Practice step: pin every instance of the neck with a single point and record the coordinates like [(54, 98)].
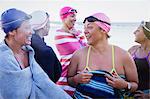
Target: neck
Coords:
[(101, 46), (65, 28), (40, 33), (16, 48), (146, 45)]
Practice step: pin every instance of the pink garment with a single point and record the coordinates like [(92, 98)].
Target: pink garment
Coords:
[(103, 17), (67, 44)]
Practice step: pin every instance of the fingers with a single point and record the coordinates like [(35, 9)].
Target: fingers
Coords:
[(140, 92), (109, 77), (137, 95), (85, 80), (110, 82), (84, 76)]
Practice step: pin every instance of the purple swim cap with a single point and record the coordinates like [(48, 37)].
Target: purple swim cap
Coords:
[(11, 19)]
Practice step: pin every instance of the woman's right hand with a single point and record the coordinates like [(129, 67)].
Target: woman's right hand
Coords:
[(83, 77)]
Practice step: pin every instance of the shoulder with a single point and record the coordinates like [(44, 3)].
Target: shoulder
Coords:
[(133, 49), (124, 56), (80, 52), (4, 48), (120, 52)]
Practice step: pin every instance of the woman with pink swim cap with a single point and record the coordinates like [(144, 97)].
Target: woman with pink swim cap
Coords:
[(67, 40), (101, 70)]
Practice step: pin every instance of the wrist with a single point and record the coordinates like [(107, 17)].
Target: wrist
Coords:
[(128, 87), (75, 80)]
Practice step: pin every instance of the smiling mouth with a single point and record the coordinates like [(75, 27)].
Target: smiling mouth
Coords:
[(29, 38), (87, 36), (73, 22)]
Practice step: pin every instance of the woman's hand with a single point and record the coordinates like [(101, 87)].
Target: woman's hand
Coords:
[(141, 95), (83, 77), (116, 82)]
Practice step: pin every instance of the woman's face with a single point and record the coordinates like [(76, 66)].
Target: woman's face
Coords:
[(70, 20), (139, 35), (92, 32), (46, 28), (23, 34)]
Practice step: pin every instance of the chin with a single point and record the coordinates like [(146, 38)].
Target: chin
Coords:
[(89, 43), (28, 43)]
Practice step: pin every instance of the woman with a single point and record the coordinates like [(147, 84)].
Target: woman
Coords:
[(68, 40), (96, 70), (141, 55), (20, 75), (44, 54)]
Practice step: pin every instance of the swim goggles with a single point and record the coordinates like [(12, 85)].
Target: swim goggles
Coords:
[(93, 19)]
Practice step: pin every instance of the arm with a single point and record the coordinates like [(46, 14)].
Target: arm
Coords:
[(131, 71), (57, 68), (75, 77), (49, 63), (72, 70)]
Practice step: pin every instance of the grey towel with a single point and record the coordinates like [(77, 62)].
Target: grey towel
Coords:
[(29, 83)]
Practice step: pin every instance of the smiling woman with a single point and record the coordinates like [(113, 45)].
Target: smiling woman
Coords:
[(101, 70), (17, 63), (68, 40)]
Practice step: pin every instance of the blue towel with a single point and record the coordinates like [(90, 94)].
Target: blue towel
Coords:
[(96, 88), (29, 83)]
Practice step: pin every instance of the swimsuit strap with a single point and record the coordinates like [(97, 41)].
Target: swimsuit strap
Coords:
[(87, 59), (113, 71), (134, 54), (113, 57)]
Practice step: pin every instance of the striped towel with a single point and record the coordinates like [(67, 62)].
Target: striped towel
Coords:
[(66, 45), (96, 88)]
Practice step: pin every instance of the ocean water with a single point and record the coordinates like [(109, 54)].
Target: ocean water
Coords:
[(121, 34)]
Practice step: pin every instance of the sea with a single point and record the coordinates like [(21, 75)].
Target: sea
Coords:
[(122, 34)]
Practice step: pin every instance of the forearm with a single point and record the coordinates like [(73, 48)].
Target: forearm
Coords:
[(134, 86), (72, 81)]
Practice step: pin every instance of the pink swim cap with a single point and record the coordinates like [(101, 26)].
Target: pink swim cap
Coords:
[(105, 21), (65, 11)]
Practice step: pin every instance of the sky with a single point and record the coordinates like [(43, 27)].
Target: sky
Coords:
[(117, 10)]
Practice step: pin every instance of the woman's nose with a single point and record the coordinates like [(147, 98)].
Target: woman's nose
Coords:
[(85, 31), (134, 32), (74, 18)]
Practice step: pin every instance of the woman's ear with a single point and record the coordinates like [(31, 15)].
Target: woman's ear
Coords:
[(12, 32)]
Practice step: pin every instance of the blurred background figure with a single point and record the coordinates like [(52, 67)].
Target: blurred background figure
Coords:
[(141, 55), (44, 54), (68, 40)]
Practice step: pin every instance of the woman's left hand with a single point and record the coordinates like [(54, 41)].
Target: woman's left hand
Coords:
[(140, 94), (116, 82)]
